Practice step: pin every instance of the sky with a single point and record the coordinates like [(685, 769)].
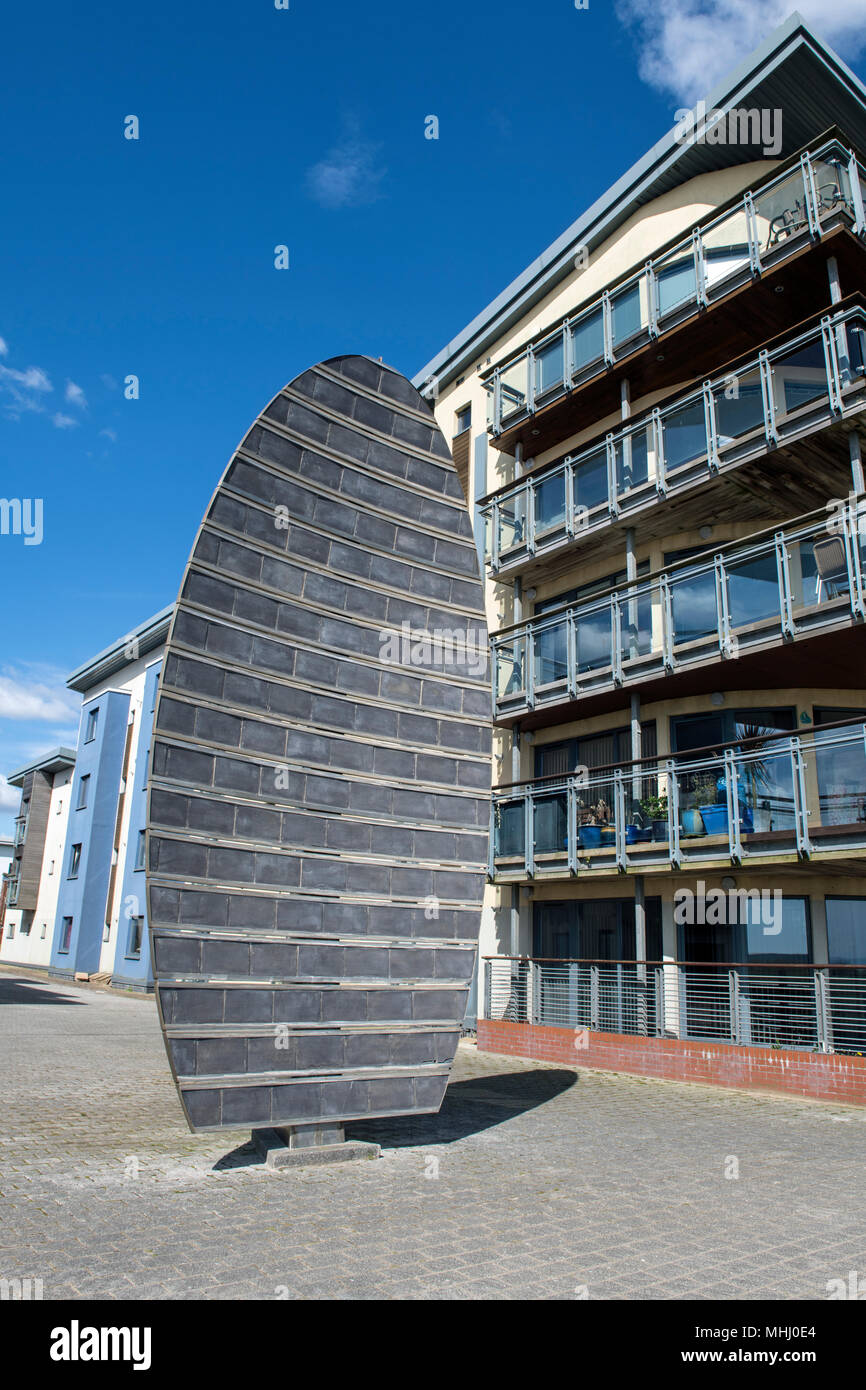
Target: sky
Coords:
[(154, 258)]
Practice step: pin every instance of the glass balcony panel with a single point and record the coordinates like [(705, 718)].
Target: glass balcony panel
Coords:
[(549, 365), (590, 480), (512, 521), (676, 281), (840, 766), (627, 318), (702, 801), (636, 637), (513, 385), (753, 590), (851, 352), (765, 787), (550, 502), (780, 212), (800, 377), (832, 186), (550, 823), (488, 534), (693, 606), (632, 458), (551, 654), (685, 434), (511, 668), (739, 407), (510, 830), (587, 340), (646, 797), (489, 401), (726, 247), (594, 634)]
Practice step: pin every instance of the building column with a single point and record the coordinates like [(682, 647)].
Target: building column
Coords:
[(671, 980)]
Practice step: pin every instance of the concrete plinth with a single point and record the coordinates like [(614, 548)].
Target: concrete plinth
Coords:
[(302, 1145)]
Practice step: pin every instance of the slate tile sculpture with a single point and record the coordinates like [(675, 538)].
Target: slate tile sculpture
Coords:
[(320, 767)]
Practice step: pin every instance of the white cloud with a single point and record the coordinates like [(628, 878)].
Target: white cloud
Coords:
[(4, 348), (75, 396), (63, 422), (23, 695), (687, 46), (349, 175), (21, 391), (9, 796), (109, 434)]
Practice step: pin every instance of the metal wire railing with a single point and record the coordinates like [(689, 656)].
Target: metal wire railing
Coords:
[(811, 1008)]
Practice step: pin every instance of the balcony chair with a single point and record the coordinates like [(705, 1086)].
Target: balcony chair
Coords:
[(832, 566)]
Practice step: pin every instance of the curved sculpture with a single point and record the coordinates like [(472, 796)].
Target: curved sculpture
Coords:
[(320, 767)]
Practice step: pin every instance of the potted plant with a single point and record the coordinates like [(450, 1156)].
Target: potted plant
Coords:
[(703, 790), (713, 812), (655, 812)]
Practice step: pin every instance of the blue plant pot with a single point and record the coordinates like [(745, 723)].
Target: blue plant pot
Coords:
[(590, 836), (715, 819)]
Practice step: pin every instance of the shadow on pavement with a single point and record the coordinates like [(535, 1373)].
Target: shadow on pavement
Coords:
[(469, 1108), (23, 991)]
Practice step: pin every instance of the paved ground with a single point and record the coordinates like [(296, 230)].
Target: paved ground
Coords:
[(533, 1182)]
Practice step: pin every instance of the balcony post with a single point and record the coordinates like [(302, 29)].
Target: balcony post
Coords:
[(831, 363), (854, 454), (752, 233), (667, 620), (851, 537), (529, 832), (530, 380), (765, 370), (801, 808), (615, 628), (651, 305), (710, 427), (659, 449), (529, 494), (619, 820), (856, 194), (594, 1012), (822, 1011), (723, 614), (700, 269), (533, 993), (571, 817), (494, 539), (811, 196), (488, 989), (786, 601), (607, 328), (569, 498), (674, 851), (497, 403), (612, 493), (734, 845), (571, 653), (734, 1004)]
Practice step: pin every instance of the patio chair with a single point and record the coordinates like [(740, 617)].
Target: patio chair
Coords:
[(832, 566)]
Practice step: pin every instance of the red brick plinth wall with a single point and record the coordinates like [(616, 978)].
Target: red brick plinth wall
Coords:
[(820, 1076)]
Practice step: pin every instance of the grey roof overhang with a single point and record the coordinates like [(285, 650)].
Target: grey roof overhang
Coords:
[(792, 71), (148, 635), (55, 761)]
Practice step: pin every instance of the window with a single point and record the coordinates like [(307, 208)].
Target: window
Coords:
[(51, 866), (43, 930), (141, 850), (74, 861), (463, 419), (83, 789), (846, 930), (90, 729), (136, 932), (66, 935)]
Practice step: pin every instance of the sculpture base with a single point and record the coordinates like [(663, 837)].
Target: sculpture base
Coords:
[(304, 1145)]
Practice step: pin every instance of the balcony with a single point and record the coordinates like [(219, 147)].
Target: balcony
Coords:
[(805, 1007), (767, 798), (774, 588), (770, 403), (816, 191)]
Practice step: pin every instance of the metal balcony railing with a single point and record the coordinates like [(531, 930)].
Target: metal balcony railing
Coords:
[(770, 795), (807, 578), (803, 385), (767, 225), (804, 1007)]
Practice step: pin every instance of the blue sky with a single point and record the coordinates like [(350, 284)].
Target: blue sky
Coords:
[(155, 257)]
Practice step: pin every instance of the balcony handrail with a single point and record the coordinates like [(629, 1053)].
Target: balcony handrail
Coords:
[(687, 763), (685, 243), (686, 964), (850, 306), (630, 590)]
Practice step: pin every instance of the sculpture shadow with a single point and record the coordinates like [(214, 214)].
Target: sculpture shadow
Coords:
[(18, 990), (469, 1108)]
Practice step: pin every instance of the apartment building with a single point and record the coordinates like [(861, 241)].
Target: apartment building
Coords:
[(659, 426), (76, 902)]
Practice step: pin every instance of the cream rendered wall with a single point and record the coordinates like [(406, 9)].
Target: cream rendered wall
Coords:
[(35, 948)]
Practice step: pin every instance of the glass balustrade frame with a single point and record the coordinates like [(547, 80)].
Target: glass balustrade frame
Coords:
[(800, 220), (518, 506), (647, 808), (522, 683)]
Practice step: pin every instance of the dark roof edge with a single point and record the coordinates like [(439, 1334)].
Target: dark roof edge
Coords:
[(54, 761)]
